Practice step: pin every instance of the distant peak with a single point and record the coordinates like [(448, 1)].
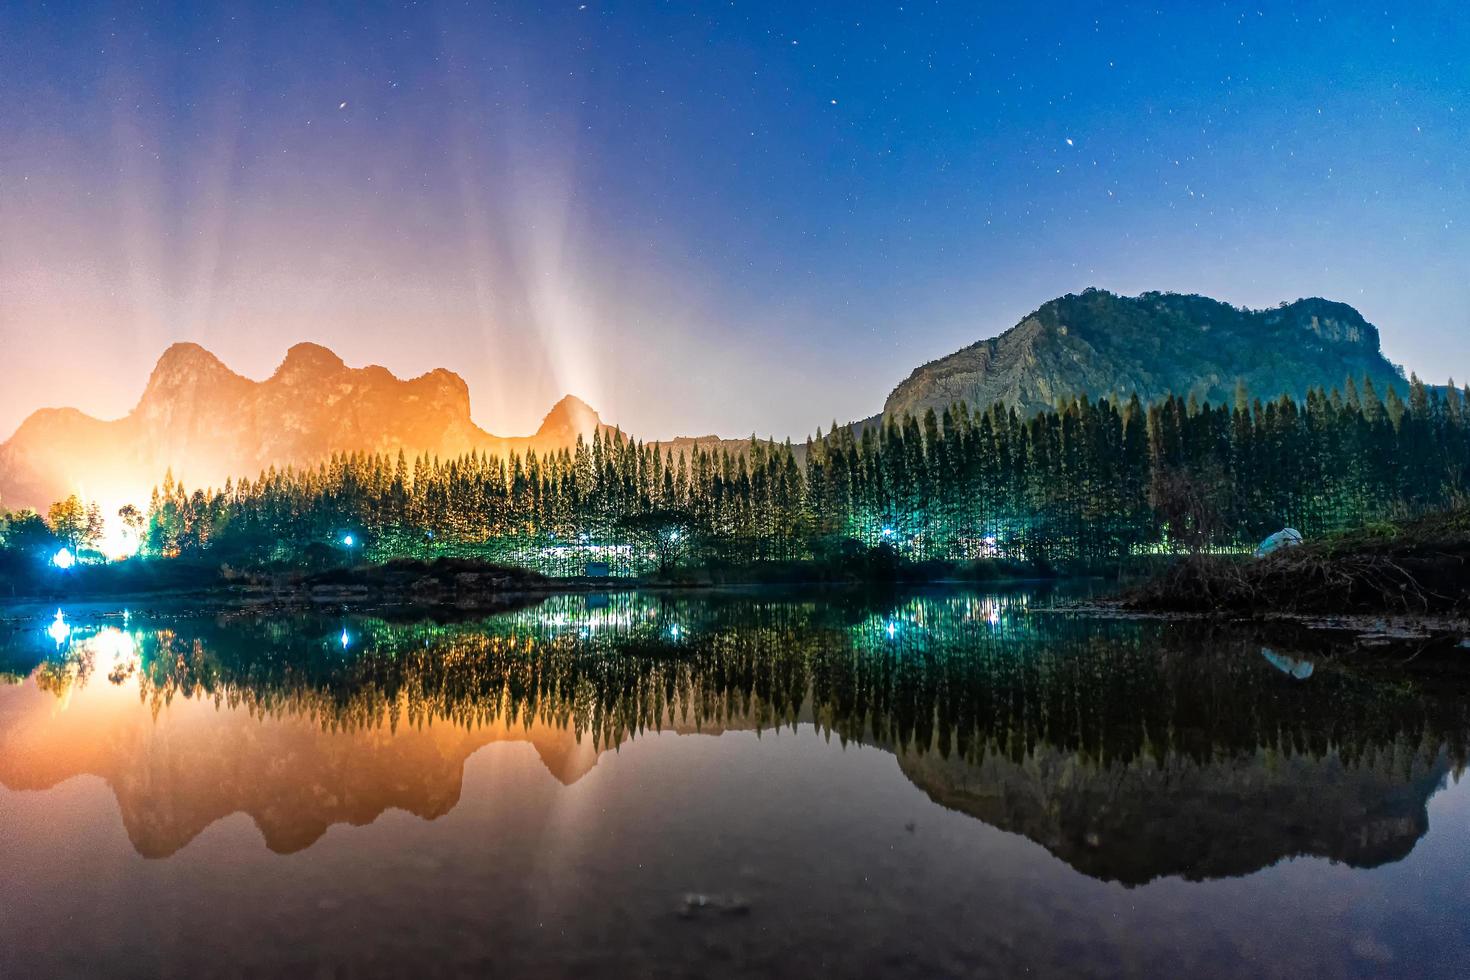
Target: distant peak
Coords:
[(571, 403), (310, 357), (186, 354), (570, 414), (184, 364)]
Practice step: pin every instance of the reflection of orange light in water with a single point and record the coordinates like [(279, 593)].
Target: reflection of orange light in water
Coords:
[(110, 649), (177, 764)]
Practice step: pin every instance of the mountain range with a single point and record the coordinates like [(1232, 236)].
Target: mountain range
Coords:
[(208, 423)]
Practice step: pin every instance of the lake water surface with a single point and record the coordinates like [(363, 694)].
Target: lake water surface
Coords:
[(754, 785)]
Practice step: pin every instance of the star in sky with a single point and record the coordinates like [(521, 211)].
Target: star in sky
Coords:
[(539, 200)]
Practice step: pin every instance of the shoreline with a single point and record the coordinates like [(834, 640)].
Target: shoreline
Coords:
[(1366, 627), (492, 597), (318, 597), (467, 584)]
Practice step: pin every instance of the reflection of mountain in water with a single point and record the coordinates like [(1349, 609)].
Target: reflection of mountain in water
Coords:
[(1128, 750), (1135, 821), (175, 776)]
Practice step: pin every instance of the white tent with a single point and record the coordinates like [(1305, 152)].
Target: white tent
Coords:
[(1288, 537)]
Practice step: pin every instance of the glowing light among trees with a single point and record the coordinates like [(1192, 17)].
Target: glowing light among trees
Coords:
[(122, 537), (63, 559), (1088, 482)]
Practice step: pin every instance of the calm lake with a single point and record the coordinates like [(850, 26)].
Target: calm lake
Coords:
[(747, 785)]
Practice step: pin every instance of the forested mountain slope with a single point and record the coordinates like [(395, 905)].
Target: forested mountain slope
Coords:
[(1097, 343)]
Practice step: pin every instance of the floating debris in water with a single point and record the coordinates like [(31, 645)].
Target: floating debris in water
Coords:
[(700, 903), (1293, 666)]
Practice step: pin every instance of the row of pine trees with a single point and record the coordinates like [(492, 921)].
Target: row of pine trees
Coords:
[(1086, 483)]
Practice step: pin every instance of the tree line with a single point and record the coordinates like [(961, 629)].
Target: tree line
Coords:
[(1088, 482)]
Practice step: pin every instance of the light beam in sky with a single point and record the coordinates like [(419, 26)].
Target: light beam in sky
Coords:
[(649, 207)]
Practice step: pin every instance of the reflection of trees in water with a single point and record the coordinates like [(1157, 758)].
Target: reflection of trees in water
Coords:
[(959, 676), (1128, 749), (1113, 691)]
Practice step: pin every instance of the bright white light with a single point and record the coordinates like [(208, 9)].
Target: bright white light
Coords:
[(118, 541), (592, 549), (111, 648), (59, 629), (888, 532), (345, 639), (63, 559), (673, 535), (892, 629), (674, 631), (347, 540)]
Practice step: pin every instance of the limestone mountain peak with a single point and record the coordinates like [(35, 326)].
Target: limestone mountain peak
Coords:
[(1098, 343), (207, 424)]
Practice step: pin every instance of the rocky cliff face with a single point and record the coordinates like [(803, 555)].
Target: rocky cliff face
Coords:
[(208, 423), (1155, 344)]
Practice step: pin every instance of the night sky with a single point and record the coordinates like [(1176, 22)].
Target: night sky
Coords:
[(705, 216)]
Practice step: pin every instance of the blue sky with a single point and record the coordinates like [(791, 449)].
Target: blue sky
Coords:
[(726, 217)]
